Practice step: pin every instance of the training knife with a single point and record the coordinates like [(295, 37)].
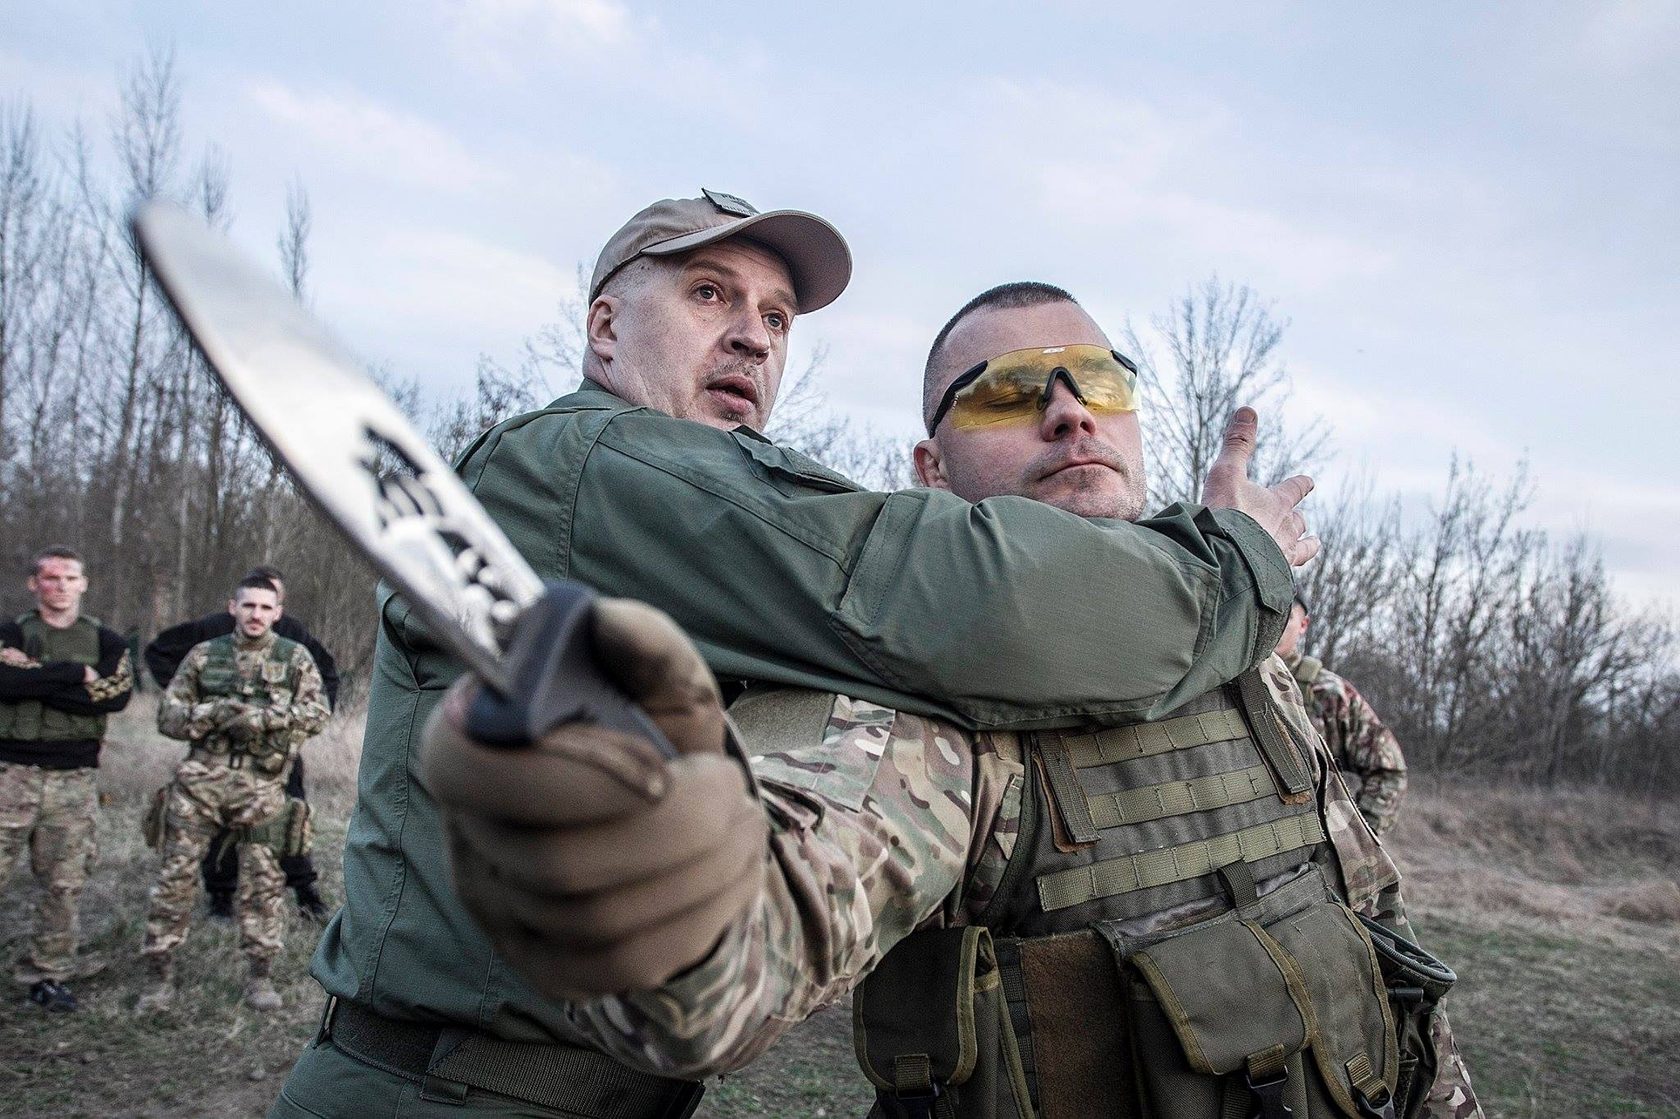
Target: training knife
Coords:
[(359, 459)]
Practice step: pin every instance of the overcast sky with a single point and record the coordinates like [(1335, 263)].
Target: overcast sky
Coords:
[(1471, 220)]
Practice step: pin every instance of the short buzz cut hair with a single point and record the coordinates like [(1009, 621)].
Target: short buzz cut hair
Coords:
[(256, 582), (56, 551), (1004, 297)]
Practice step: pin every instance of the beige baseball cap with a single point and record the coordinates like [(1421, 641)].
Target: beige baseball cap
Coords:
[(816, 255)]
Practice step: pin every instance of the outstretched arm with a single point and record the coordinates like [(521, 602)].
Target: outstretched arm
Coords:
[(1006, 613)]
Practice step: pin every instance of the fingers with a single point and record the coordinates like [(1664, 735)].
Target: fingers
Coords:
[(1303, 551), (705, 804), (1294, 489), (577, 774), (621, 905), (658, 667), (640, 962), (595, 919), (1241, 431)]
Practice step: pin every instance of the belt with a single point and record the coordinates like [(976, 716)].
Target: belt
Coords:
[(447, 1061)]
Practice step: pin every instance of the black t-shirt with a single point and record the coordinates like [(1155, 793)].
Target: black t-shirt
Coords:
[(58, 684)]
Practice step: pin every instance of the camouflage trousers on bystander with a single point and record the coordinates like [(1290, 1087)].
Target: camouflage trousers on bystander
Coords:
[(52, 813)]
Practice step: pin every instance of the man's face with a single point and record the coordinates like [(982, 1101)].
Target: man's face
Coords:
[(58, 585), (254, 611), (1088, 464), (1292, 630), (702, 336)]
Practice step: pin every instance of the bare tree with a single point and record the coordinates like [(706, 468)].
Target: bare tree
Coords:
[(1222, 352)]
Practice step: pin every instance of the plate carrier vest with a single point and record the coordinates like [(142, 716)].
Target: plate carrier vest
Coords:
[(1168, 941)]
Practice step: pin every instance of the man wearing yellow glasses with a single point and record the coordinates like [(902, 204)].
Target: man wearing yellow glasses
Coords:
[(1177, 919)]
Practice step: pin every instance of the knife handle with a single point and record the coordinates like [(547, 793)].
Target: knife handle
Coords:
[(554, 678)]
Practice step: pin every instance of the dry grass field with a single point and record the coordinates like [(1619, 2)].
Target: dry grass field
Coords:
[(1562, 914)]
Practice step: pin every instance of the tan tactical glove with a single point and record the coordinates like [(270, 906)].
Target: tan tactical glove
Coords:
[(595, 866)]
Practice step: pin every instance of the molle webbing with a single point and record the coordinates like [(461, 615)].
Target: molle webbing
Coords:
[(1174, 798), (1111, 877), (1145, 740)]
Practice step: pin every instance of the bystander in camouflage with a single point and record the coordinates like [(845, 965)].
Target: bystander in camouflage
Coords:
[(1365, 750), (61, 674), (164, 654), (245, 702)]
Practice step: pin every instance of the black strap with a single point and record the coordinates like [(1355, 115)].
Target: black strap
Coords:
[(447, 1061), (1277, 745)]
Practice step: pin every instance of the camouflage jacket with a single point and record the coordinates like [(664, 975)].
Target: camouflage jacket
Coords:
[(288, 714), (887, 823), (1363, 747)]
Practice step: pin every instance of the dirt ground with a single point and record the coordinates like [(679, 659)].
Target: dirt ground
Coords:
[(1561, 914)]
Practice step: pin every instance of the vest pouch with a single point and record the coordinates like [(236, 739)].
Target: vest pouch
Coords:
[(1289, 1014), (151, 824), (1416, 982), (933, 1034), (287, 832), (300, 828), (269, 761)]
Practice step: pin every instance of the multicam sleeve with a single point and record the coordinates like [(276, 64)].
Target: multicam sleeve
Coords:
[(854, 867), (1452, 1096), (180, 714), (1370, 750), (308, 710)]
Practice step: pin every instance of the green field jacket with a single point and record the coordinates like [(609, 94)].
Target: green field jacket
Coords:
[(1004, 614)]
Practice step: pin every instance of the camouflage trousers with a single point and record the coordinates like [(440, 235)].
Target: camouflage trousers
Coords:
[(204, 798), (52, 812)]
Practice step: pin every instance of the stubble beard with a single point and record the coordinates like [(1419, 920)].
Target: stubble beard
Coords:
[(1113, 488)]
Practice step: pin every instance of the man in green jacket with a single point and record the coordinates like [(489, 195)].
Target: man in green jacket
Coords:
[(894, 840), (652, 482)]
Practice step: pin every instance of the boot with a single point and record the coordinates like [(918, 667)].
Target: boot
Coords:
[(52, 994), (221, 905), (311, 906), (259, 988), (160, 996)]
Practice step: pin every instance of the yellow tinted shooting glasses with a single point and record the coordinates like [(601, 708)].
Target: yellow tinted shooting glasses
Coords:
[(1017, 385)]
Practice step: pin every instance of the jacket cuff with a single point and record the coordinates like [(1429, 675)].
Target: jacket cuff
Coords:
[(1274, 579)]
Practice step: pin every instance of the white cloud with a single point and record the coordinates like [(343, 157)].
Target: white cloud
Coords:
[(437, 277), (390, 143), (504, 37)]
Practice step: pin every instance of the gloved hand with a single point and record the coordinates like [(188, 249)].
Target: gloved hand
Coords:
[(594, 865), (216, 714), (245, 724)]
